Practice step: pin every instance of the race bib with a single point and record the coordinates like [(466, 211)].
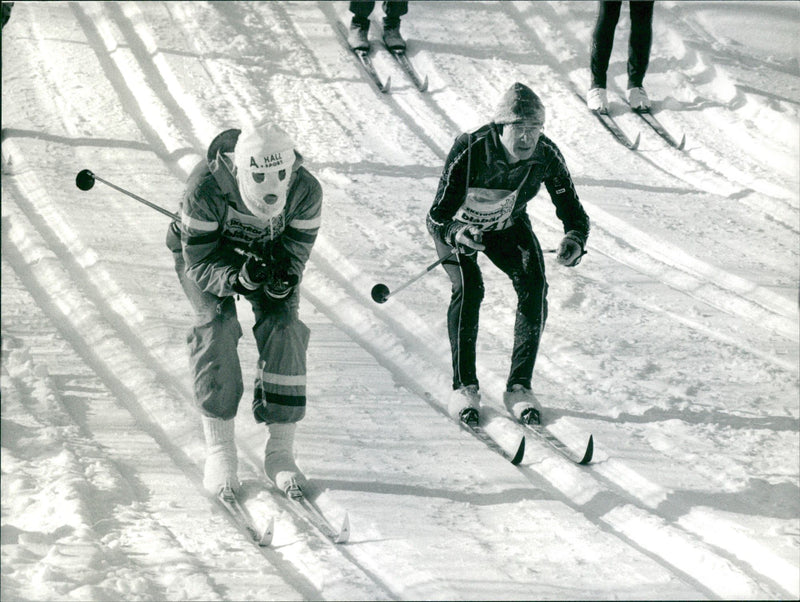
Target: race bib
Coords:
[(247, 228), (487, 209)]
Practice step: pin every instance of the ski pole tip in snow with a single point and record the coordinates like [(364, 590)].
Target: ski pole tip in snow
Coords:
[(380, 293), (84, 180)]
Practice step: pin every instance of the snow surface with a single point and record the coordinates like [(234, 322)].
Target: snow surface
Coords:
[(675, 342)]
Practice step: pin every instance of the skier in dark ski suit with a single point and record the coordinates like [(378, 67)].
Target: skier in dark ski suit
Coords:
[(488, 178), (250, 192)]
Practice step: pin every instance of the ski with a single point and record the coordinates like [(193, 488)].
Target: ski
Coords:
[(554, 442), (227, 498), (611, 125), (478, 432), (365, 61), (307, 510), (659, 129), (402, 58)]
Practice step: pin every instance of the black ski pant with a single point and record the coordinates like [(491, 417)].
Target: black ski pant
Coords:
[(638, 45), (517, 253), (392, 9)]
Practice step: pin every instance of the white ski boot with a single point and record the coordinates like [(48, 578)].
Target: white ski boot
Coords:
[(522, 403), (279, 461), (464, 404), (597, 100), (638, 100), (221, 461)]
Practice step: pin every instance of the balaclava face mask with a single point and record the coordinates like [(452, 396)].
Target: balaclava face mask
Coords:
[(264, 156)]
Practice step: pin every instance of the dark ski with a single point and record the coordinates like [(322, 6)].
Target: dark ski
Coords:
[(363, 58), (482, 435), (402, 58), (476, 430), (612, 126), (554, 442), (659, 129)]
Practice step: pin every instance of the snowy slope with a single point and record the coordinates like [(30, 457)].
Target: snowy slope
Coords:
[(675, 342)]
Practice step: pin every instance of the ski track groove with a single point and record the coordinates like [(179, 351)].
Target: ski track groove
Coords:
[(142, 351), (789, 221), (320, 305), (163, 151), (726, 288), (754, 298), (61, 420), (73, 330), (107, 342), (346, 306)]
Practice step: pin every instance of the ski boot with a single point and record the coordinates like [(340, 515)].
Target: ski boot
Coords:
[(522, 403), (392, 38), (279, 461), (464, 403), (219, 473), (638, 100), (597, 100), (357, 38)]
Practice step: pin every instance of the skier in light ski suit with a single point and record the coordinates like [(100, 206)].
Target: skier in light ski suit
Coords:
[(250, 192), (489, 176)]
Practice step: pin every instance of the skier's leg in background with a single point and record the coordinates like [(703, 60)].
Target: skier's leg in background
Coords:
[(361, 12), (357, 35), (640, 41), (280, 387), (216, 378), (603, 40), (393, 10), (517, 252)]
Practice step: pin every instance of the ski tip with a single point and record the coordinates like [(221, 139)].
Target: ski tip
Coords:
[(424, 86), (520, 452), (266, 537), (587, 457), (344, 530), (682, 142), (387, 86), (635, 144)]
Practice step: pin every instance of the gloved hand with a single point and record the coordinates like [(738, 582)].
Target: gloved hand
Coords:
[(280, 284), (570, 250), (252, 274), (467, 240)]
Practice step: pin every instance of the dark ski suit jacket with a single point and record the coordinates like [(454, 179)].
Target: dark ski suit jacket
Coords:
[(481, 151)]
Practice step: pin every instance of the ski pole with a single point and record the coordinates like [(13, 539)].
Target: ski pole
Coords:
[(380, 292), (85, 181)]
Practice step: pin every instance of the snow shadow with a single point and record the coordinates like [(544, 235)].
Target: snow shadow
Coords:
[(505, 496)]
